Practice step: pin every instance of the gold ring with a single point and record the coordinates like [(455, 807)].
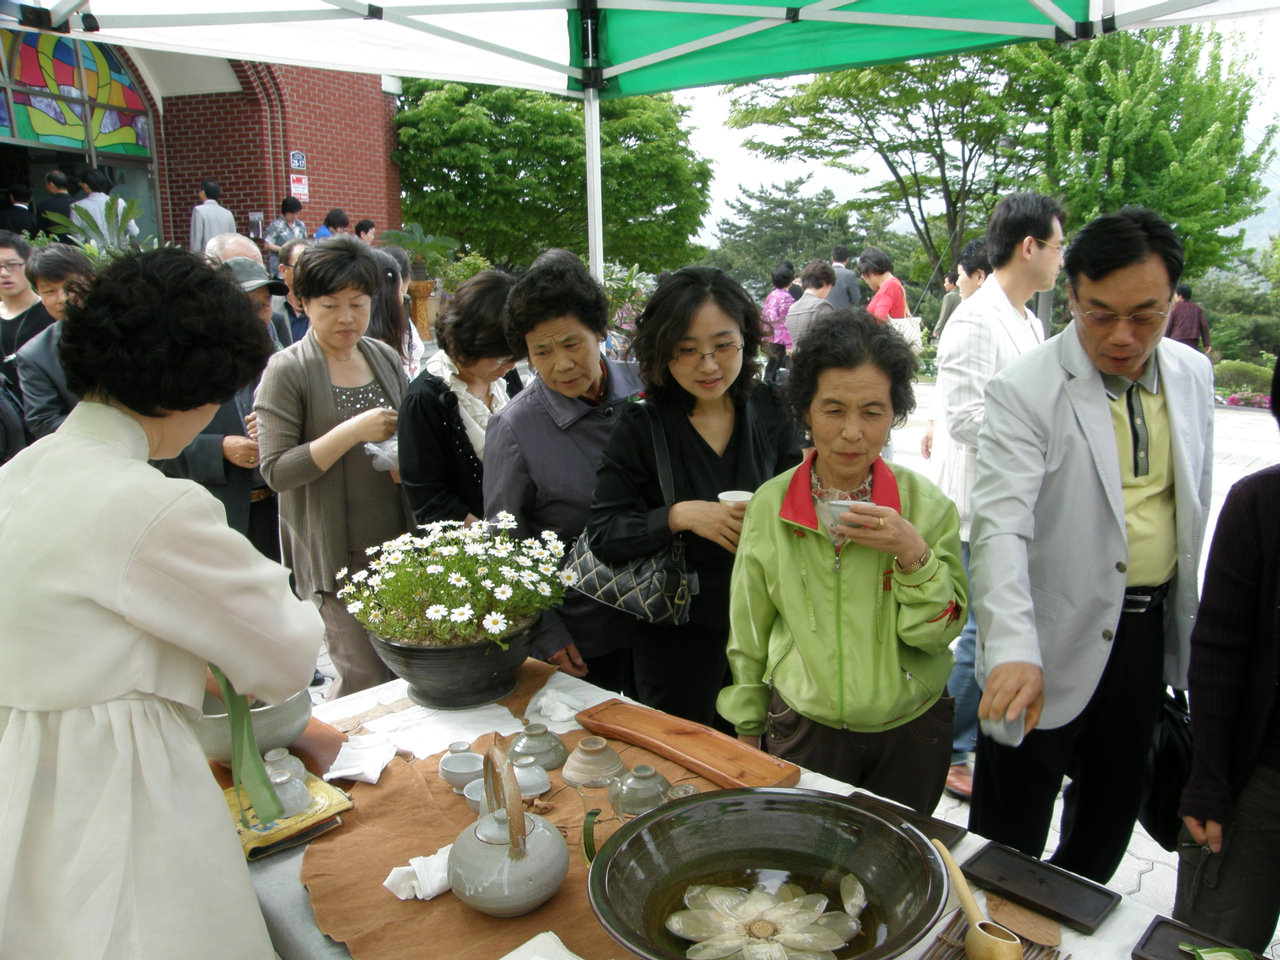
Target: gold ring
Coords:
[(881, 525)]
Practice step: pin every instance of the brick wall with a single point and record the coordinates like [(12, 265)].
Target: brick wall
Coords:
[(341, 121)]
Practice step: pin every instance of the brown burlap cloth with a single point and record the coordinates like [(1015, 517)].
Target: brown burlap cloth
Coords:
[(411, 812)]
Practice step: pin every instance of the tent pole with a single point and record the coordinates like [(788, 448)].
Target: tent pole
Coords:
[(595, 215)]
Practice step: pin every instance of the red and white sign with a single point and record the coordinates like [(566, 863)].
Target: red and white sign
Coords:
[(298, 186)]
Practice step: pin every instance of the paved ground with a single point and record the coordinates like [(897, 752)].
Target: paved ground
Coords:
[(1244, 441)]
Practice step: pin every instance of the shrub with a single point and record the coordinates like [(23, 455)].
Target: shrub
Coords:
[(1239, 376)]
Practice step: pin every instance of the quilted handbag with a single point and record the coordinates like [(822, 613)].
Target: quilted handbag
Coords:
[(656, 588)]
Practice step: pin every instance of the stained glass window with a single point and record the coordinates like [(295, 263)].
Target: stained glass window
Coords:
[(49, 106)]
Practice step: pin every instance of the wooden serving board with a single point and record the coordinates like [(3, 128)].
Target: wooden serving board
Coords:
[(723, 760)]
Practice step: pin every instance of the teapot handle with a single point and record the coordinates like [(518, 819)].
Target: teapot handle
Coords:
[(500, 785)]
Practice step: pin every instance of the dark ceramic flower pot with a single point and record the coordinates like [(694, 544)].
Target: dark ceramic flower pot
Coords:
[(457, 677)]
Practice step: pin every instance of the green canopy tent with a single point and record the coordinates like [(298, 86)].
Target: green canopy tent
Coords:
[(595, 49)]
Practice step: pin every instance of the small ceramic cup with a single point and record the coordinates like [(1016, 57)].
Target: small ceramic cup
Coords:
[(540, 743), (459, 769), (476, 798), (530, 776), (640, 790), (293, 793), (679, 791), (835, 508), (279, 758), (593, 763), (732, 497)]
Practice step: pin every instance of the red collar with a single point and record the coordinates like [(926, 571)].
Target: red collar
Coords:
[(797, 504)]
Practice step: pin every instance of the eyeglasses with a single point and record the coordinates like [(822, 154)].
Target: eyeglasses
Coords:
[(12, 266), (1050, 244), (722, 352), (1105, 318), (286, 266)]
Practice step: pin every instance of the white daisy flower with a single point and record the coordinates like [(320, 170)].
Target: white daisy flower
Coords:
[(568, 577), (503, 592), (434, 568), (543, 589), (375, 616), (505, 521), (473, 548), (529, 543), (508, 572), (354, 607), (458, 580), (524, 561), (494, 622), (546, 569), (437, 611), (461, 614), (487, 584), (557, 550), (370, 551), (448, 550), (500, 549), (359, 576), (375, 582), (341, 573)]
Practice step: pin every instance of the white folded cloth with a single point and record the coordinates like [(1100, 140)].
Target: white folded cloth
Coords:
[(362, 758), (545, 946), (424, 877), (556, 705)]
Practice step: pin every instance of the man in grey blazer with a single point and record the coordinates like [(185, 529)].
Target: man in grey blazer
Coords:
[(1089, 510), (845, 292)]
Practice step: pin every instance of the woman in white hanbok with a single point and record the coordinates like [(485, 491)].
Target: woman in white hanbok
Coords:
[(118, 586)]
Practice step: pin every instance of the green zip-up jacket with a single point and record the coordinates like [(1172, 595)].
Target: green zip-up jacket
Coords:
[(845, 639)]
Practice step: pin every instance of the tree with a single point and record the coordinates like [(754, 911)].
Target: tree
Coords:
[(948, 131), (1155, 119), (778, 223), (504, 171)]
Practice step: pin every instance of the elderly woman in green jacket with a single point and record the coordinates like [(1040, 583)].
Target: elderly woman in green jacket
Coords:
[(847, 588)]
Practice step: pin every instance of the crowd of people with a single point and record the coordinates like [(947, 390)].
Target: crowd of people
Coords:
[(1056, 545)]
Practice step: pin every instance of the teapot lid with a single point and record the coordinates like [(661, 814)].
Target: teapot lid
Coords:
[(493, 828)]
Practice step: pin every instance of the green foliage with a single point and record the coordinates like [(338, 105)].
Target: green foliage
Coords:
[(460, 271), (1243, 309), (1154, 118), (505, 170), (429, 255), (952, 129), (627, 290), (1237, 375), (102, 244), (779, 223)]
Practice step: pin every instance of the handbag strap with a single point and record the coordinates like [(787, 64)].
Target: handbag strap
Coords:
[(661, 455)]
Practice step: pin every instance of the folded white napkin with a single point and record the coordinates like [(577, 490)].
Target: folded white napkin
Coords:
[(424, 877), (362, 758), (556, 705), (545, 946)]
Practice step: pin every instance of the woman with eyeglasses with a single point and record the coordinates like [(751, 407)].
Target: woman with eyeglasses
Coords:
[(697, 344)]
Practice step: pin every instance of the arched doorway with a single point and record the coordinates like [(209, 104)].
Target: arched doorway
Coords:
[(69, 104)]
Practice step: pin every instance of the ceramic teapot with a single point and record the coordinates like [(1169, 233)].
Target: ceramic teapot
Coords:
[(508, 862)]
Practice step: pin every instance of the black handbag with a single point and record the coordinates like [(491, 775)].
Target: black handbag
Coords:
[(1168, 768), (656, 588)]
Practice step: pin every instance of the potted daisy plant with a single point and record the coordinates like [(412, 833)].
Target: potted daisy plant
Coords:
[(451, 608)]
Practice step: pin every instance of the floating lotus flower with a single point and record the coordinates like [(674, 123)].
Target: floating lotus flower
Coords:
[(729, 923)]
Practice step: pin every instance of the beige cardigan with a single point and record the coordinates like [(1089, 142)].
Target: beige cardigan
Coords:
[(294, 404)]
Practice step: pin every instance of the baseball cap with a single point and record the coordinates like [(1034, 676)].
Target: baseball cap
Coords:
[(252, 276)]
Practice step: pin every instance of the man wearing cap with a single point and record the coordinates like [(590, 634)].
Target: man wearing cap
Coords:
[(224, 457)]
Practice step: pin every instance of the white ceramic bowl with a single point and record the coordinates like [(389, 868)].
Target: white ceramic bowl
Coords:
[(273, 726), (459, 769)]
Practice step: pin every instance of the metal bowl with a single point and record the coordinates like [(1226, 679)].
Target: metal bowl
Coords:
[(639, 875), (273, 726)]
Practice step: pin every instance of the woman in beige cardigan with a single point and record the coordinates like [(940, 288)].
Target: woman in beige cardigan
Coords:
[(319, 402)]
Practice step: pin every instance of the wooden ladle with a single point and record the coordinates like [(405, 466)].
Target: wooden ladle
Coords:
[(985, 939)]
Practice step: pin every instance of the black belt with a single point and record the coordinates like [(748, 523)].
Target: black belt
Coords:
[(1142, 599)]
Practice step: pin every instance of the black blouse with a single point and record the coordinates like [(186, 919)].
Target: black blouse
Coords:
[(442, 476), (628, 515)]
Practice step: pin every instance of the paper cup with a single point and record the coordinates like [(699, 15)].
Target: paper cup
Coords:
[(732, 497), (835, 508)]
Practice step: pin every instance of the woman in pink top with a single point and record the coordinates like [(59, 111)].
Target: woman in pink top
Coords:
[(774, 315), (890, 300)]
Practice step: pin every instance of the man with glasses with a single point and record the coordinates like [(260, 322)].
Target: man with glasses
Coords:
[(990, 329), (1089, 510), (289, 304), (22, 315)]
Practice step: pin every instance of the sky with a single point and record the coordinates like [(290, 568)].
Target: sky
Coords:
[(736, 167)]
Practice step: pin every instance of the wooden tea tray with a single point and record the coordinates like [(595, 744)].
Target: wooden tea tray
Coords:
[(723, 760)]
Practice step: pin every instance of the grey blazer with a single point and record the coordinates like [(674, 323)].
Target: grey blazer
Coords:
[(294, 404), (1048, 535)]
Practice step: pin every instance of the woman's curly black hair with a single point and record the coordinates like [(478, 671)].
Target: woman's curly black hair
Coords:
[(557, 284), (844, 340), (471, 328), (162, 331), (666, 320)]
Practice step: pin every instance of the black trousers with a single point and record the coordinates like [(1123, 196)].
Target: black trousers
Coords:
[(681, 670), (264, 527), (908, 763), (1103, 751)]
